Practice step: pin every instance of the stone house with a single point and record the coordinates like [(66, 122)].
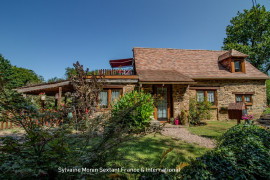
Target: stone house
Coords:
[(219, 77)]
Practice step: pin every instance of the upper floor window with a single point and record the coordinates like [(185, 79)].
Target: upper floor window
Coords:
[(207, 95), (238, 66)]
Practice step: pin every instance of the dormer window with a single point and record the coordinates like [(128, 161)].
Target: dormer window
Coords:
[(237, 66), (234, 61)]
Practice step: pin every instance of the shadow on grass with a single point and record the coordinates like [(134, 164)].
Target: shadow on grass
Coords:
[(149, 149)]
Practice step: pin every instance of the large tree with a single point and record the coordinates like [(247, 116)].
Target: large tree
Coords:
[(14, 76), (6, 71), (249, 32)]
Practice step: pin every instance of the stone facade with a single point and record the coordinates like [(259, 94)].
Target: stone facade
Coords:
[(225, 95), (128, 88), (180, 98), (182, 93)]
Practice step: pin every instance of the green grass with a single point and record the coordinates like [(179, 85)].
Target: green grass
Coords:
[(146, 151), (267, 111), (213, 129)]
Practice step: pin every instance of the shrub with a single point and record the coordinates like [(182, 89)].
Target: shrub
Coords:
[(242, 153), (141, 115), (268, 91), (198, 111)]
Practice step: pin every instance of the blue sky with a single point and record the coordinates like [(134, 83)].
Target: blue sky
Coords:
[(48, 36)]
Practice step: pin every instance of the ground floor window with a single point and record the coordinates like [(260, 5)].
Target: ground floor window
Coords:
[(107, 97), (246, 98), (207, 95)]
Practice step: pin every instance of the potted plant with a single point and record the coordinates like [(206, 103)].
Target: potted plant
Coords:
[(176, 120), (247, 118), (171, 121), (42, 96)]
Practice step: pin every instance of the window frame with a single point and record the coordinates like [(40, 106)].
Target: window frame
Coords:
[(243, 99), (205, 95), (241, 64), (109, 96)]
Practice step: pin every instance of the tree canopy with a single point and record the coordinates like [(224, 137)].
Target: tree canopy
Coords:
[(249, 32), (15, 76)]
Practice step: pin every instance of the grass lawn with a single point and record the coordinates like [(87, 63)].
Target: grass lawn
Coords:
[(146, 152), (213, 129), (267, 111)]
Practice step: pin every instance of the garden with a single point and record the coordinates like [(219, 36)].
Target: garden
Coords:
[(122, 138)]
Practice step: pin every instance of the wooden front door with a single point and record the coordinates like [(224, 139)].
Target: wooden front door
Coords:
[(163, 107)]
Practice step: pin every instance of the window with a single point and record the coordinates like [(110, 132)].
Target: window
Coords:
[(246, 98), (237, 66), (103, 99), (207, 95), (108, 97), (115, 94)]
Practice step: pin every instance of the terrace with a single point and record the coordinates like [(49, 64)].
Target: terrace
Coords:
[(122, 72)]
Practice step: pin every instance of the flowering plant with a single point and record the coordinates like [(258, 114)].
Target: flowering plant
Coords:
[(247, 117), (42, 94)]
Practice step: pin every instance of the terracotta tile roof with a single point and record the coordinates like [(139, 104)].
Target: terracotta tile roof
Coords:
[(231, 53), (163, 76), (195, 64)]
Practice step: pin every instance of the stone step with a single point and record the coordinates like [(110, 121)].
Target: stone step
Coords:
[(266, 116), (263, 121), (263, 118)]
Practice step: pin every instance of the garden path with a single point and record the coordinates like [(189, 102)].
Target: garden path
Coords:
[(185, 135)]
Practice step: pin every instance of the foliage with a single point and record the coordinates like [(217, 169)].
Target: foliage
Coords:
[(84, 97), (268, 90), (15, 76), (242, 153), (182, 117), (41, 151), (249, 33), (141, 115), (247, 117), (267, 111), (44, 149), (198, 111), (6, 71), (54, 79), (70, 72), (24, 77)]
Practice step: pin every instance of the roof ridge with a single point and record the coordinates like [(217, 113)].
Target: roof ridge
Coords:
[(181, 49)]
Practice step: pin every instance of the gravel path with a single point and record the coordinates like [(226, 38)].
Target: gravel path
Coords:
[(185, 135)]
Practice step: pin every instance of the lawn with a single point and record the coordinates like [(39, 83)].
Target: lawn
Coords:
[(213, 129), (146, 151)]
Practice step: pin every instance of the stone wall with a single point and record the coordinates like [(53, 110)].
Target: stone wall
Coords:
[(182, 93), (180, 98), (225, 95), (128, 88)]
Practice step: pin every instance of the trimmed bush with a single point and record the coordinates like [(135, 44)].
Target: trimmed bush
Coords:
[(243, 152), (141, 115)]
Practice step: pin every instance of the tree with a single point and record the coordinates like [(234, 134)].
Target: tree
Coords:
[(249, 32), (70, 72), (22, 76), (6, 71), (54, 79), (15, 76)]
